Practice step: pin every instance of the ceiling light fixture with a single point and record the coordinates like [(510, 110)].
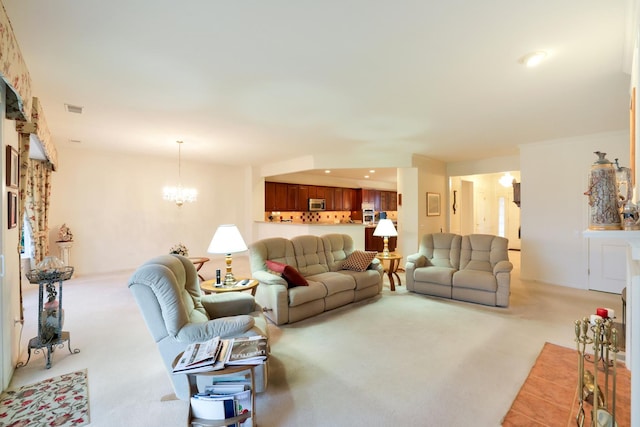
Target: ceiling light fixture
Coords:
[(178, 194), (507, 180), (533, 59), (327, 171)]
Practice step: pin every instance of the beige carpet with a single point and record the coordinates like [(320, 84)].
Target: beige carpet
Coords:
[(398, 359)]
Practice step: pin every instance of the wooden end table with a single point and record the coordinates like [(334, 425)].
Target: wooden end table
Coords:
[(198, 261), (209, 286), (394, 263)]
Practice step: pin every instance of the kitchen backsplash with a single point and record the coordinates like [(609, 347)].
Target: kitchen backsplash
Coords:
[(325, 217)]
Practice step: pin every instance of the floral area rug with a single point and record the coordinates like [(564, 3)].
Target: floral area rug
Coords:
[(57, 401)]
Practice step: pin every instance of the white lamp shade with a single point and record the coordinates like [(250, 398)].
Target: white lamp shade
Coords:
[(385, 228), (227, 240)]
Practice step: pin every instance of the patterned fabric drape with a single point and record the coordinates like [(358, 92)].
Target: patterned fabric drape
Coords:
[(38, 126), (38, 197), (13, 71)]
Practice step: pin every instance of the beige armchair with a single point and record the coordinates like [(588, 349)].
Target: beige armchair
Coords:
[(485, 271), (167, 291), (430, 271)]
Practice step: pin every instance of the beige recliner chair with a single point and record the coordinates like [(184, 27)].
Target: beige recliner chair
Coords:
[(167, 291), (485, 271)]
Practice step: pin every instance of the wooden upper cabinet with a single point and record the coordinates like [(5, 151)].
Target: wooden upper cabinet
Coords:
[(275, 196), (376, 200), (337, 198), (313, 192), (393, 201), (303, 198), (269, 196), (347, 199), (279, 196), (329, 197)]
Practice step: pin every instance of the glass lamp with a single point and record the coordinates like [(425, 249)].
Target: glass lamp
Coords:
[(227, 240), (385, 229)]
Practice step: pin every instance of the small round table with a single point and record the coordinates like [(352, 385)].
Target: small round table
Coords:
[(209, 286), (394, 263), (198, 261)]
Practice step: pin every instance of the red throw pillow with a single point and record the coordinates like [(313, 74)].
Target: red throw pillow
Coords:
[(290, 274), (293, 277), (275, 266)]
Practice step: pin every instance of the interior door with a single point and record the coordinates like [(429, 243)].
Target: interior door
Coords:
[(607, 265)]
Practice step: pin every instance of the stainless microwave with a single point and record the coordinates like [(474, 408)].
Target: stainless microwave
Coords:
[(316, 205)]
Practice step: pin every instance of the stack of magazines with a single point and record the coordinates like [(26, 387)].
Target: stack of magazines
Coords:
[(217, 353)]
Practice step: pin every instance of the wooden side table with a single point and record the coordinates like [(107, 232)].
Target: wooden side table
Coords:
[(394, 263), (227, 370), (209, 286), (198, 261)]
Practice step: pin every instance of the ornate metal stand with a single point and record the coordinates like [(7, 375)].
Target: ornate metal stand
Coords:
[(49, 336), (605, 347)]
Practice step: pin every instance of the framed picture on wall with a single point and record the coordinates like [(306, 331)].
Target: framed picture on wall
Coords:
[(13, 167), (12, 203), (433, 204)]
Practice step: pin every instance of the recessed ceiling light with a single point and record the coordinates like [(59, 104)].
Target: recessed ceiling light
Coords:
[(372, 171), (366, 176), (327, 171), (533, 59), (73, 108)]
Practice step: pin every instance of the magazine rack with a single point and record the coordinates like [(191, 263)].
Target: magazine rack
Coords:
[(228, 370), (50, 333)]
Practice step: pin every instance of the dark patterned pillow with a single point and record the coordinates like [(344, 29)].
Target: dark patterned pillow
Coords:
[(290, 274), (358, 260)]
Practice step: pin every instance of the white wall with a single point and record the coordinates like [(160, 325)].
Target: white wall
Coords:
[(113, 204), (554, 210), (10, 282)]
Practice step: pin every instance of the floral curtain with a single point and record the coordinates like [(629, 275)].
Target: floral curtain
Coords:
[(38, 197), (13, 71)]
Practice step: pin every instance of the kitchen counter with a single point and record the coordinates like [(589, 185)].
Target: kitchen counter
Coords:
[(265, 229)]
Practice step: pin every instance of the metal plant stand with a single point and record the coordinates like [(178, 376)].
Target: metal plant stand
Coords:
[(50, 333)]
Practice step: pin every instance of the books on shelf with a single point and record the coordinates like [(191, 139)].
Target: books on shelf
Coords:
[(248, 350), (203, 357), (221, 401)]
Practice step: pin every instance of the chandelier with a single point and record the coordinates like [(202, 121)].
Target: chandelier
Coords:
[(179, 194)]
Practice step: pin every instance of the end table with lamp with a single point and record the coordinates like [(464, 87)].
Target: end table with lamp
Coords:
[(394, 263), (210, 286), (227, 240)]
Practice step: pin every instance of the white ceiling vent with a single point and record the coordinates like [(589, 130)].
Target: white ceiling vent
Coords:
[(73, 108)]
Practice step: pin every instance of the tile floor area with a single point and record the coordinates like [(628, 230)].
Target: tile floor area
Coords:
[(549, 395)]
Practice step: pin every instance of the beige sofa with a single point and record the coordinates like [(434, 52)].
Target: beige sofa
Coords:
[(320, 260), (472, 268)]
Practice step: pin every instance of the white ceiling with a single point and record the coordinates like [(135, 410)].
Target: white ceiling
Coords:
[(255, 81)]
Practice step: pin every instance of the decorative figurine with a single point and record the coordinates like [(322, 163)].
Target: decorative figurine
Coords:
[(64, 234)]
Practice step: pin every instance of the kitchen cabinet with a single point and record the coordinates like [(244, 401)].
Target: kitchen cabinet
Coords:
[(338, 199), (347, 199), (376, 243), (321, 193), (280, 196), (303, 198), (275, 196)]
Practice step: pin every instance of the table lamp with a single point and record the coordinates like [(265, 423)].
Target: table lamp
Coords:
[(227, 240), (385, 229)]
